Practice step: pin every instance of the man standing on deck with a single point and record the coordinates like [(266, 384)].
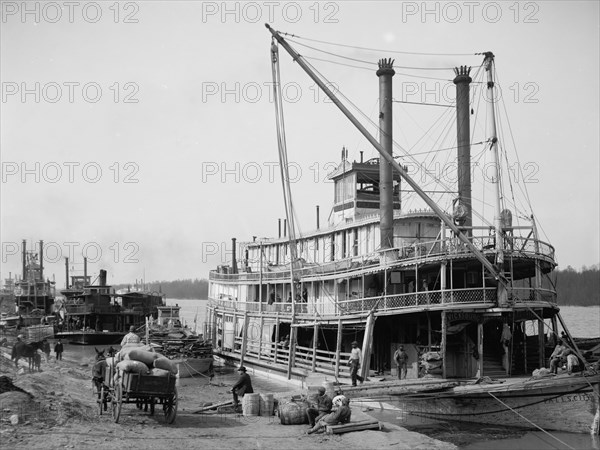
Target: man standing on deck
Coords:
[(354, 362), (131, 337), (242, 387), (401, 359)]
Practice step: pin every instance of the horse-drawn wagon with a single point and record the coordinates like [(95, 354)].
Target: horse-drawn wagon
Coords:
[(145, 390)]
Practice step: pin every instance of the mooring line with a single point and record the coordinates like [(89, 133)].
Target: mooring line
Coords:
[(523, 417)]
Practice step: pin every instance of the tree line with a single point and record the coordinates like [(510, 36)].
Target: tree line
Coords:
[(188, 289), (578, 287)]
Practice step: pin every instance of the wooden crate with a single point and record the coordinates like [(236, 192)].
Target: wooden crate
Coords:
[(137, 383)]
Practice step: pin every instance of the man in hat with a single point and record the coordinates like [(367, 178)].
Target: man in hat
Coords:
[(342, 414), (58, 349), (243, 386), (323, 407), (401, 359), (354, 362), (131, 337)]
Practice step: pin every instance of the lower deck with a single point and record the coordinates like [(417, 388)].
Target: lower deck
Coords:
[(465, 343)]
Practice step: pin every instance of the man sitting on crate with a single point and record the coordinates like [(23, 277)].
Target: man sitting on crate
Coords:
[(341, 415), (322, 408), (243, 386)]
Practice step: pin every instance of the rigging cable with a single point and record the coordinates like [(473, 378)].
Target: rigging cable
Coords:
[(362, 60), (281, 141), (380, 50)]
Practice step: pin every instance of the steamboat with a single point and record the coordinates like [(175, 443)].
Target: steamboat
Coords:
[(468, 293)]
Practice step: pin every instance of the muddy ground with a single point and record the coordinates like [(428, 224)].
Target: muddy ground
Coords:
[(58, 410)]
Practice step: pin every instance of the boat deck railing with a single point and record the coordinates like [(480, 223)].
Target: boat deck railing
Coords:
[(316, 360), (418, 252), (393, 302)]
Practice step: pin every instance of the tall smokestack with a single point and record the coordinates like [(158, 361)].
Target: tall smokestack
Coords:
[(42, 260), (386, 199), (102, 277), (24, 260), (85, 281), (67, 273), (234, 257), (318, 217), (279, 224), (463, 214), (284, 227)]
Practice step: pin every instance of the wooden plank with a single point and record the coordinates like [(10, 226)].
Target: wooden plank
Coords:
[(215, 406), (338, 348), (354, 426)]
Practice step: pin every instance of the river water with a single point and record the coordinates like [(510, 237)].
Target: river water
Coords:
[(581, 321)]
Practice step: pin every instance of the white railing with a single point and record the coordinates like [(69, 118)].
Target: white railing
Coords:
[(364, 305), (419, 251), (324, 361)]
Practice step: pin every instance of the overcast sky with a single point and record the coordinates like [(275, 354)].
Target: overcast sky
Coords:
[(143, 133)]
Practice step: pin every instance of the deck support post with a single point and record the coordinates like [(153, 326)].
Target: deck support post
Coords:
[(428, 330), (234, 331), (260, 336), (276, 336), (244, 338), (571, 341), (480, 349), (315, 339), (522, 329), (213, 332), (366, 347), (338, 348), (541, 355), (292, 350), (443, 344)]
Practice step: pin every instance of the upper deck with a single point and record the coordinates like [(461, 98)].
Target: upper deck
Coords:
[(523, 252)]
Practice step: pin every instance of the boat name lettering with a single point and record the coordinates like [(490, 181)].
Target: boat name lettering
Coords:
[(570, 398), (456, 316)]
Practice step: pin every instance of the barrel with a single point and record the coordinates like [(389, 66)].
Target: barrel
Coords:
[(266, 404), (293, 413), (251, 404)]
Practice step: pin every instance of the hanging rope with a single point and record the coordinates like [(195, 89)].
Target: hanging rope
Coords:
[(529, 421)]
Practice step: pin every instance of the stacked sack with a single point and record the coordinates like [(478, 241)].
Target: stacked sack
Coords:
[(138, 358)]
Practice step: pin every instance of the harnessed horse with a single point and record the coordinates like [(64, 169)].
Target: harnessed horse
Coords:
[(23, 350)]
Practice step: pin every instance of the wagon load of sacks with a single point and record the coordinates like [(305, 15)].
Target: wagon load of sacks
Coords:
[(143, 359)]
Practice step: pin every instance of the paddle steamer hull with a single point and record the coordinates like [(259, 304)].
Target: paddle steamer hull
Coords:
[(195, 367), (563, 403), (92, 337)]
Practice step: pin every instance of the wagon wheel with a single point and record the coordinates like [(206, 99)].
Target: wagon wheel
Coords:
[(170, 408), (117, 402)]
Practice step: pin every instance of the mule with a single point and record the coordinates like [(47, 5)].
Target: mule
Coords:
[(23, 350)]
